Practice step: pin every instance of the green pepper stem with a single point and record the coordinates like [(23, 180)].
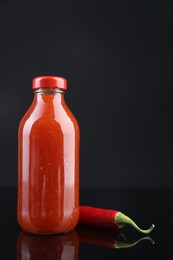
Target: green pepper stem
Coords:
[(121, 219)]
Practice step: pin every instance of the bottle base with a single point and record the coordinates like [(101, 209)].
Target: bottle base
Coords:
[(38, 233)]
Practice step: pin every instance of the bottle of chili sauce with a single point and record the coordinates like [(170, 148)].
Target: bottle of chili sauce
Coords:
[(48, 161)]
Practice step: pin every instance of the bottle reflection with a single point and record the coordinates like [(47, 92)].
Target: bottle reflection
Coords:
[(34, 247)]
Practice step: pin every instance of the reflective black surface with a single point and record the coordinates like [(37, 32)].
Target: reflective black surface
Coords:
[(145, 206)]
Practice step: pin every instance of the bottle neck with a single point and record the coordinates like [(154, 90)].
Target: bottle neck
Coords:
[(49, 91), (49, 95)]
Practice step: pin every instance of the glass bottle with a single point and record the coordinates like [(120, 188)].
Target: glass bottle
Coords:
[(48, 161)]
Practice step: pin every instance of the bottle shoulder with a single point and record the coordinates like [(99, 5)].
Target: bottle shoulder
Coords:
[(44, 116), (70, 115)]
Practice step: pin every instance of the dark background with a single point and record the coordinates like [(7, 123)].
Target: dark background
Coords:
[(118, 59)]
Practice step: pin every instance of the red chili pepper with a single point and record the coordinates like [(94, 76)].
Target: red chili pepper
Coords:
[(107, 218)]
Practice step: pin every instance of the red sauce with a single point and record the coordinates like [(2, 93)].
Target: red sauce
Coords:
[(48, 166)]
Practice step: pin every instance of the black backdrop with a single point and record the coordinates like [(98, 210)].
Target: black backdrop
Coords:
[(117, 57)]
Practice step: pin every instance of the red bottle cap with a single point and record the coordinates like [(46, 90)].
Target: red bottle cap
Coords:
[(49, 82)]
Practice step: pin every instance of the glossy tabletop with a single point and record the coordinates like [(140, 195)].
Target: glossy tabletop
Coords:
[(145, 206)]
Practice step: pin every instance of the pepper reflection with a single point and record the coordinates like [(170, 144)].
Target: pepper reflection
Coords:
[(34, 247), (106, 238)]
